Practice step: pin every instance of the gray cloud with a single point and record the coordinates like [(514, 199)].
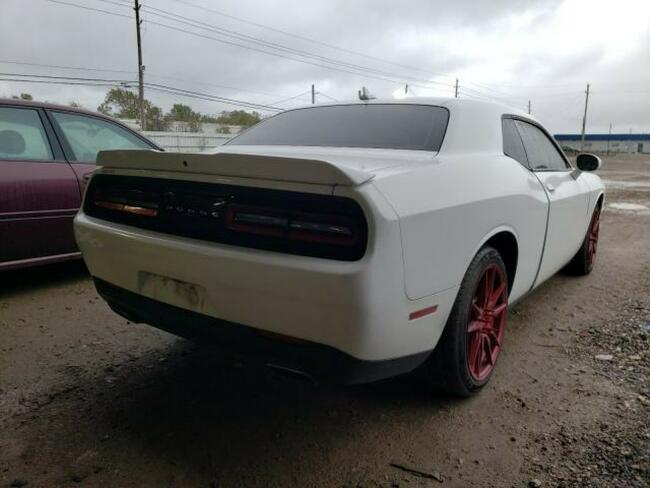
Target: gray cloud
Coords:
[(513, 50)]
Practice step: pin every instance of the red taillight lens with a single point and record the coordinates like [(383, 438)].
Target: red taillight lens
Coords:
[(130, 202), (294, 226), (132, 209)]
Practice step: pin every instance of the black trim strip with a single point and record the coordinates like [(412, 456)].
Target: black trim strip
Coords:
[(39, 214)]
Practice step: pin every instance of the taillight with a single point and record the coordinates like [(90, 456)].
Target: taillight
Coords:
[(324, 226), (294, 226), (130, 202)]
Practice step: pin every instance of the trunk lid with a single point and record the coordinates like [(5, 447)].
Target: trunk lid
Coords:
[(257, 166), (313, 165)]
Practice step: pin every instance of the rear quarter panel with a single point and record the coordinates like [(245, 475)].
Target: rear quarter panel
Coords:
[(448, 209)]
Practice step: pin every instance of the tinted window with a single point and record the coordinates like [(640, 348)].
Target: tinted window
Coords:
[(512, 145), (381, 126), (89, 135), (22, 135), (542, 153)]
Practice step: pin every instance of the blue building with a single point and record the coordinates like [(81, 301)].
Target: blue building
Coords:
[(613, 143)]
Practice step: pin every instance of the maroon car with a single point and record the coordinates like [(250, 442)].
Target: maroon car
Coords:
[(47, 153)]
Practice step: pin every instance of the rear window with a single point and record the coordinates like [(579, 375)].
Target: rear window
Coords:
[(388, 126)]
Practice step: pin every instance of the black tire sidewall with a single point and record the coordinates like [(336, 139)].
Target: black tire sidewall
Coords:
[(453, 344)]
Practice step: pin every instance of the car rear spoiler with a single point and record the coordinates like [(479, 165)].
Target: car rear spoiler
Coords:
[(300, 170)]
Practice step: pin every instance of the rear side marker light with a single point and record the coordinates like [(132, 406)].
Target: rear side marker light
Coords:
[(423, 312)]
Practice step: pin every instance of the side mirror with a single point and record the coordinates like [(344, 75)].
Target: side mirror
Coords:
[(588, 162)]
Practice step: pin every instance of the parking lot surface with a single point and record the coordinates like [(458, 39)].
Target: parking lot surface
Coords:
[(87, 398)]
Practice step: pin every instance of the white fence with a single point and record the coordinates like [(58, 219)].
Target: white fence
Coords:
[(187, 141)]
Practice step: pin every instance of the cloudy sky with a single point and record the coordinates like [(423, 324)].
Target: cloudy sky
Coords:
[(270, 52)]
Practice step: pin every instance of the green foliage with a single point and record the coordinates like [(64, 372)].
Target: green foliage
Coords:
[(23, 96), (238, 117), (184, 113), (223, 130), (123, 103)]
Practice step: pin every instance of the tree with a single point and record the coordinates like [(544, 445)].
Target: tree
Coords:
[(238, 117), (123, 103), (224, 129), (23, 96), (184, 113), (74, 104)]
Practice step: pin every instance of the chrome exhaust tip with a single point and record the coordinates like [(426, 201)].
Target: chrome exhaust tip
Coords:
[(292, 373)]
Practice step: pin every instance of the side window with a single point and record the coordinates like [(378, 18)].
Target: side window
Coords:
[(89, 135), (542, 154), (512, 145), (22, 135)]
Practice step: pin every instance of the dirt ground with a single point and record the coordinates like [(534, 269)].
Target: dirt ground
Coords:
[(89, 399)]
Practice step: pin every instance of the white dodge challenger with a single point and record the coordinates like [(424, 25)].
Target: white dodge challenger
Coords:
[(347, 242)]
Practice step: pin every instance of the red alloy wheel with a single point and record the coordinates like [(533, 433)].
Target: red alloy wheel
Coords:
[(487, 321), (592, 237)]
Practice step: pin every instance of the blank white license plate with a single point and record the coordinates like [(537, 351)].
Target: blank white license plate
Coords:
[(172, 291)]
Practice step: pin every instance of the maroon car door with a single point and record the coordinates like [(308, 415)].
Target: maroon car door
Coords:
[(39, 193), (84, 135)]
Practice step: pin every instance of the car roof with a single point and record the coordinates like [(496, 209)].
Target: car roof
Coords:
[(473, 126), (54, 106), (448, 102), (67, 108)]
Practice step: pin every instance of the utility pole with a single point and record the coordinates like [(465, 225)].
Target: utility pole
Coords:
[(456, 89), (313, 94), (528, 107), (140, 67), (609, 137), (406, 89), (584, 119)]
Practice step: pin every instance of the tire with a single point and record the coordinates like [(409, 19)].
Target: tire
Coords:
[(460, 364), (583, 262)]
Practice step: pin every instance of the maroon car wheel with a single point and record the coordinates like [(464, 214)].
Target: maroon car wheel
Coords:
[(487, 321), (592, 237), (584, 260), (466, 354)]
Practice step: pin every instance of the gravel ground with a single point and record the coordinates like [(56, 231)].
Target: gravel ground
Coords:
[(88, 399)]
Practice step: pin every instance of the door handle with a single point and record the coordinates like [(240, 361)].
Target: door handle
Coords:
[(550, 187)]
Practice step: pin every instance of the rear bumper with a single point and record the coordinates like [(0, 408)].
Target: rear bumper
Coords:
[(359, 308), (321, 362)]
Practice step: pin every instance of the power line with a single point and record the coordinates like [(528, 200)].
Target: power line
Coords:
[(215, 97), (55, 82), (152, 75), (58, 66), (196, 34), (327, 96), (292, 98), (270, 45), (499, 93), (108, 12), (73, 80), (314, 41)]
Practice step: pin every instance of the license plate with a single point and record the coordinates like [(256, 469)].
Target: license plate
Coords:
[(172, 291)]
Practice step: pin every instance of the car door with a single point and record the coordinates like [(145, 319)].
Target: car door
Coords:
[(568, 198), (39, 194), (83, 136)]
